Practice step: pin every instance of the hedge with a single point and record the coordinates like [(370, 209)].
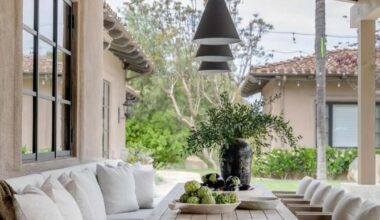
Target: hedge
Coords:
[(300, 162)]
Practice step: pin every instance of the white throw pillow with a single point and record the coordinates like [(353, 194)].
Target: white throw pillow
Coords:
[(368, 211), (304, 183), (62, 198), (311, 189), (118, 187), (33, 204), (347, 208), (87, 181), (79, 196), (320, 195), (332, 199), (145, 186)]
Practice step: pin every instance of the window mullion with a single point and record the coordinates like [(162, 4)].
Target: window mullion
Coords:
[(55, 79), (35, 81)]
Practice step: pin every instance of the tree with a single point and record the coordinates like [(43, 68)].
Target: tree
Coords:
[(165, 29), (320, 56)]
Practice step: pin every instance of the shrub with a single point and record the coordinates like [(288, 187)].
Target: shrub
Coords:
[(301, 161)]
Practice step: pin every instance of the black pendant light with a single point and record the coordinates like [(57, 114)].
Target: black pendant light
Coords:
[(214, 53), (214, 67), (216, 26)]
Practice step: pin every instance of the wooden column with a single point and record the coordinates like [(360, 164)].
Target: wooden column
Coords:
[(367, 103)]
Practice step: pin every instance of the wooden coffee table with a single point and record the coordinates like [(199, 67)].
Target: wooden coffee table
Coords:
[(162, 212)]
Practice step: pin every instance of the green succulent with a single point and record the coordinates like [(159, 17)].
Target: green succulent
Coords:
[(193, 200), (213, 178), (209, 199), (192, 186), (203, 191)]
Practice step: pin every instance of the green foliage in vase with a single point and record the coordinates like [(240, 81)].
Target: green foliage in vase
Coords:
[(230, 121)]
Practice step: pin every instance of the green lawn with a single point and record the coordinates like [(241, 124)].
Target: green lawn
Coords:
[(271, 184)]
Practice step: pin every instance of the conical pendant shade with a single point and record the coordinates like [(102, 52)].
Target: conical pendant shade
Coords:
[(214, 67), (214, 53), (216, 26)]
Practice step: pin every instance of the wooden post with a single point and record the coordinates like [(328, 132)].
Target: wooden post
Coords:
[(367, 103)]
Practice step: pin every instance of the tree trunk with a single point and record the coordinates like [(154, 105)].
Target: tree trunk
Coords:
[(320, 56)]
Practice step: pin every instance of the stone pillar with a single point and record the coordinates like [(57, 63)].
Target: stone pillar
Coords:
[(367, 103)]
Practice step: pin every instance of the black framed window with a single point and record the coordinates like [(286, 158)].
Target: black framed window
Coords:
[(47, 70), (343, 124)]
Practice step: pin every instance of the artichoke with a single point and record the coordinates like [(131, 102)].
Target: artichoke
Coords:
[(184, 198), (222, 199), (233, 197), (192, 186), (233, 181), (209, 199), (193, 200), (203, 191)]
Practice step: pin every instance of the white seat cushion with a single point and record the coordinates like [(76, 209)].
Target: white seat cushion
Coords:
[(87, 181), (63, 200), (347, 208), (118, 188), (144, 182), (368, 211), (332, 199), (137, 215), (311, 189), (304, 183), (79, 195), (320, 195), (33, 204)]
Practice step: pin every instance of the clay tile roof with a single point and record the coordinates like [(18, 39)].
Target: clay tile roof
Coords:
[(339, 62), (45, 64)]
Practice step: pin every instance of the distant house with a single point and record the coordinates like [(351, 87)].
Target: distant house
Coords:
[(294, 80)]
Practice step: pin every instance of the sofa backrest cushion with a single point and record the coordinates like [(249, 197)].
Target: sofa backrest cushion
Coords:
[(118, 188), (145, 185), (19, 183), (62, 198), (33, 204), (86, 179)]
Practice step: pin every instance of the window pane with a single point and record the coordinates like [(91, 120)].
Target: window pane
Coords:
[(45, 68), (28, 13), (345, 125), (45, 115), (63, 24), (63, 69), (27, 51), (27, 124), (63, 140), (46, 18)]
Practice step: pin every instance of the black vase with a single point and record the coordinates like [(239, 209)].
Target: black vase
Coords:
[(236, 160)]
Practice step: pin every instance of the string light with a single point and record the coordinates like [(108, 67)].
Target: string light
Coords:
[(298, 84), (279, 83), (43, 82), (339, 84), (259, 82)]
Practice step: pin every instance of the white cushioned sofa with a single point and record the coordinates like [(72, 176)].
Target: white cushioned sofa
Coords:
[(36, 180)]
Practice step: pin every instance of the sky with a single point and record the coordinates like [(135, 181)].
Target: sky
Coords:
[(293, 16)]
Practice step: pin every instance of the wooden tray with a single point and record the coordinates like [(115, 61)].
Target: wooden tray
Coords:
[(260, 203), (203, 208)]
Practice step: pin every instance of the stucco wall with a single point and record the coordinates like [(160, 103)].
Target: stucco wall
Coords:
[(297, 105), (115, 75)]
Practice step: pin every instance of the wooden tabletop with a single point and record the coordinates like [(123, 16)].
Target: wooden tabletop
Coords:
[(162, 212)]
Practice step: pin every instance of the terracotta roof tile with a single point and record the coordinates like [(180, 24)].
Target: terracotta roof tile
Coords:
[(339, 62)]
